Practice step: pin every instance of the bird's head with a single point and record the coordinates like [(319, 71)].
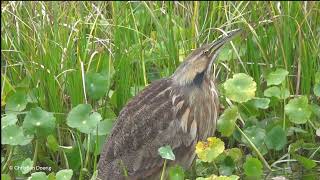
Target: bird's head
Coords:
[(199, 63)]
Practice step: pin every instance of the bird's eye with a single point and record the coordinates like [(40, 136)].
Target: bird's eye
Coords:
[(205, 52)]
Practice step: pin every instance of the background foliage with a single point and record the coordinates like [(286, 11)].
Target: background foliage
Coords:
[(67, 69)]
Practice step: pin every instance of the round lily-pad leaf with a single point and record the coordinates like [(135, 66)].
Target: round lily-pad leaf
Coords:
[(96, 85), (261, 103), (276, 138), (176, 173), (65, 174), (8, 120), (39, 122), (26, 166), (298, 110), (166, 153), (13, 135), (252, 167), (38, 176), (16, 103), (276, 77), (210, 150), (234, 153), (227, 121), (240, 88), (256, 136), (275, 91), (81, 118), (104, 127), (316, 89), (227, 166)]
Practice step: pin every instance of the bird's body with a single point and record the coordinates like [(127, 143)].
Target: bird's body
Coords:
[(177, 111)]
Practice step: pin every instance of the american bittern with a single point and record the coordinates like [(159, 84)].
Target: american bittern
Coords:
[(177, 111)]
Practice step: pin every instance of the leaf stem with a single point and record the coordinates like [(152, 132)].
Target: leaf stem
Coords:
[(35, 155), (163, 169), (9, 158), (254, 148)]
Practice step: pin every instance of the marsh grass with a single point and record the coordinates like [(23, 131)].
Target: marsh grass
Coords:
[(48, 47)]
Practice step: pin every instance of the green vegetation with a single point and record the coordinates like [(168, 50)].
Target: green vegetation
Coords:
[(68, 68)]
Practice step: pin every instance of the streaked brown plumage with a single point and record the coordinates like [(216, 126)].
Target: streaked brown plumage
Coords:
[(176, 111)]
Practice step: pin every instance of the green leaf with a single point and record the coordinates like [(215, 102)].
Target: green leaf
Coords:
[(52, 143), (104, 127), (252, 167), (316, 89), (13, 135), (97, 85), (276, 77), (227, 167), (255, 134), (275, 91), (26, 166), (40, 122), (176, 173), (234, 153), (317, 77), (227, 121), (8, 120), (305, 162), (5, 177), (240, 88), (65, 174), (210, 150), (276, 138), (262, 103), (166, 153), (38, 176), (81, 118), (16, 103), (298, 110)]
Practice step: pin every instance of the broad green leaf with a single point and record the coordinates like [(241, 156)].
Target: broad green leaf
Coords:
[(81, 118), (261, 103), (26, 166), (5, 177), (305, 162), (166, 153), (52, 143), (38, 176), (316, 89), (65, 174), (176, 173), (276, 77), (276, 138), (16, 102), (252, 167), (298, 110), (240, 88), (208, 151), (13, 135), (256, 136), (227, 167), (275, 91), (227, 121), (104, 127), (234, 153), (97, 85), (39, 122), (8, 120)]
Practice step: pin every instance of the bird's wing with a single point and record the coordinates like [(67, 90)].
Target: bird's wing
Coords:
[(158, 116)]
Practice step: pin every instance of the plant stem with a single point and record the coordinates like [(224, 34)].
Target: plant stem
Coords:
[(35, 155), (163, 169), (254, 148), (9, 158)]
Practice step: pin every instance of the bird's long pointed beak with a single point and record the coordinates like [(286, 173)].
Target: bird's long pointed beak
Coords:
[(216, 45)]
